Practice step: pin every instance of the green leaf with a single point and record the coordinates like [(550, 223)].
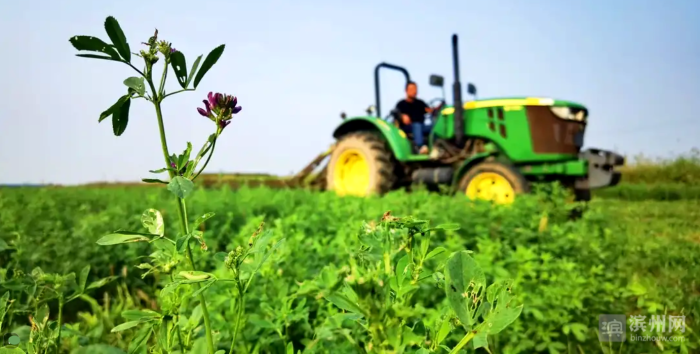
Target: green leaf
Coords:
[(137, 315), (179, 64), (200, 220), (493, 290), (505, 312), (185, 157), (102, 282), (448, 227), (115, 33), (3, 306), (4, 245), (181, 187), (97, 349), (141, 339), (169, 289), (124, 326), (435, 252), (82, 280), (464, 279), (153, 180), (70, 332), (94, 44), (192, 71), (210, 60), (579, 330), (203, 287), (220, 256), (160, 170), (444, 330), (193, 276), (152, 220), (114, 107), (122, 236), (220, 352), (344, 303), (95, 56), (290, 348), (182, 242), (480, 340), (137, 84), (401, 270), (120, 118)]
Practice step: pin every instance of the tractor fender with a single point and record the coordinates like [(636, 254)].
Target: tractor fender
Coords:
[(395, 137), (467, 164)]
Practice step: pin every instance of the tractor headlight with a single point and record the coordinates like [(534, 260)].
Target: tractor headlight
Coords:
[(569, 113)]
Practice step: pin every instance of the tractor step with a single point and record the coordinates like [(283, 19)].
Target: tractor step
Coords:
[(433, 176)]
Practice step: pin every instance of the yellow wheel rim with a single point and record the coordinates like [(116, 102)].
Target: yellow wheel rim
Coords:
[(491, 186), (351, 173)]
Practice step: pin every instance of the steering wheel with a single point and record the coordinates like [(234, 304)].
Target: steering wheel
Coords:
[(436, 104)]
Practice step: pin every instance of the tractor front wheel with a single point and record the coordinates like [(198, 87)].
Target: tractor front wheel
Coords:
[(361, 165), (494, 181)]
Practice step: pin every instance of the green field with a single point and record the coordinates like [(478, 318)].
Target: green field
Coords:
[(635, 252)]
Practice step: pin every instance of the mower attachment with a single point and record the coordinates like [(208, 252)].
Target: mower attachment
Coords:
[(601, 169)]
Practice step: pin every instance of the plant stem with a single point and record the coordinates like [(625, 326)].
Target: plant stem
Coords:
[(133, 67), (177, 324), (182, 212), (239, 311), (463, 342), (213, 146), (178, 91), (60, 320)]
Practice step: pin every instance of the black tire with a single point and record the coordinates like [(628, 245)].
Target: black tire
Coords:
[(517, 181), (379, 158)]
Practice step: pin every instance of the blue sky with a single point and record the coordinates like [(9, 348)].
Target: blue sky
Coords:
[(296, 65)]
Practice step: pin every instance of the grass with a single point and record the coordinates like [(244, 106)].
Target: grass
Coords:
[(683, 170), (623, 257), (634, 252)]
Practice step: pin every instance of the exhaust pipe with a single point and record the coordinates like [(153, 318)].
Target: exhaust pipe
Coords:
[(457, 96)]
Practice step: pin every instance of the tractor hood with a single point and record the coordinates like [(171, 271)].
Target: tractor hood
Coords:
[(514, 101)]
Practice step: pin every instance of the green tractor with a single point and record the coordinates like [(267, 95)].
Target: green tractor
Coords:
[(490, 149)]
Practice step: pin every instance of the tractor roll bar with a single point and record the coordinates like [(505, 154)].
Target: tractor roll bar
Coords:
[(376, 82), (457, 95)]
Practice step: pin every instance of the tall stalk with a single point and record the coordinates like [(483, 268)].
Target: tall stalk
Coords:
[(182, 169), (182, 215)]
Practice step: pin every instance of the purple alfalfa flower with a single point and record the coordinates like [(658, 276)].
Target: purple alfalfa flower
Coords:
[(206, 111), (214, 99), (173, 50), (229, 102)]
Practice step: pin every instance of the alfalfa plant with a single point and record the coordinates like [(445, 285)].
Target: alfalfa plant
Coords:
[(183, 169), (378, 291)]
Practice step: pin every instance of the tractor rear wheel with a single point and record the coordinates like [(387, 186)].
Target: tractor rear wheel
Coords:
[(493, 181), (361, 164)]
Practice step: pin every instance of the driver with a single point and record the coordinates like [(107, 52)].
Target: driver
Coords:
[(413, 112)]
